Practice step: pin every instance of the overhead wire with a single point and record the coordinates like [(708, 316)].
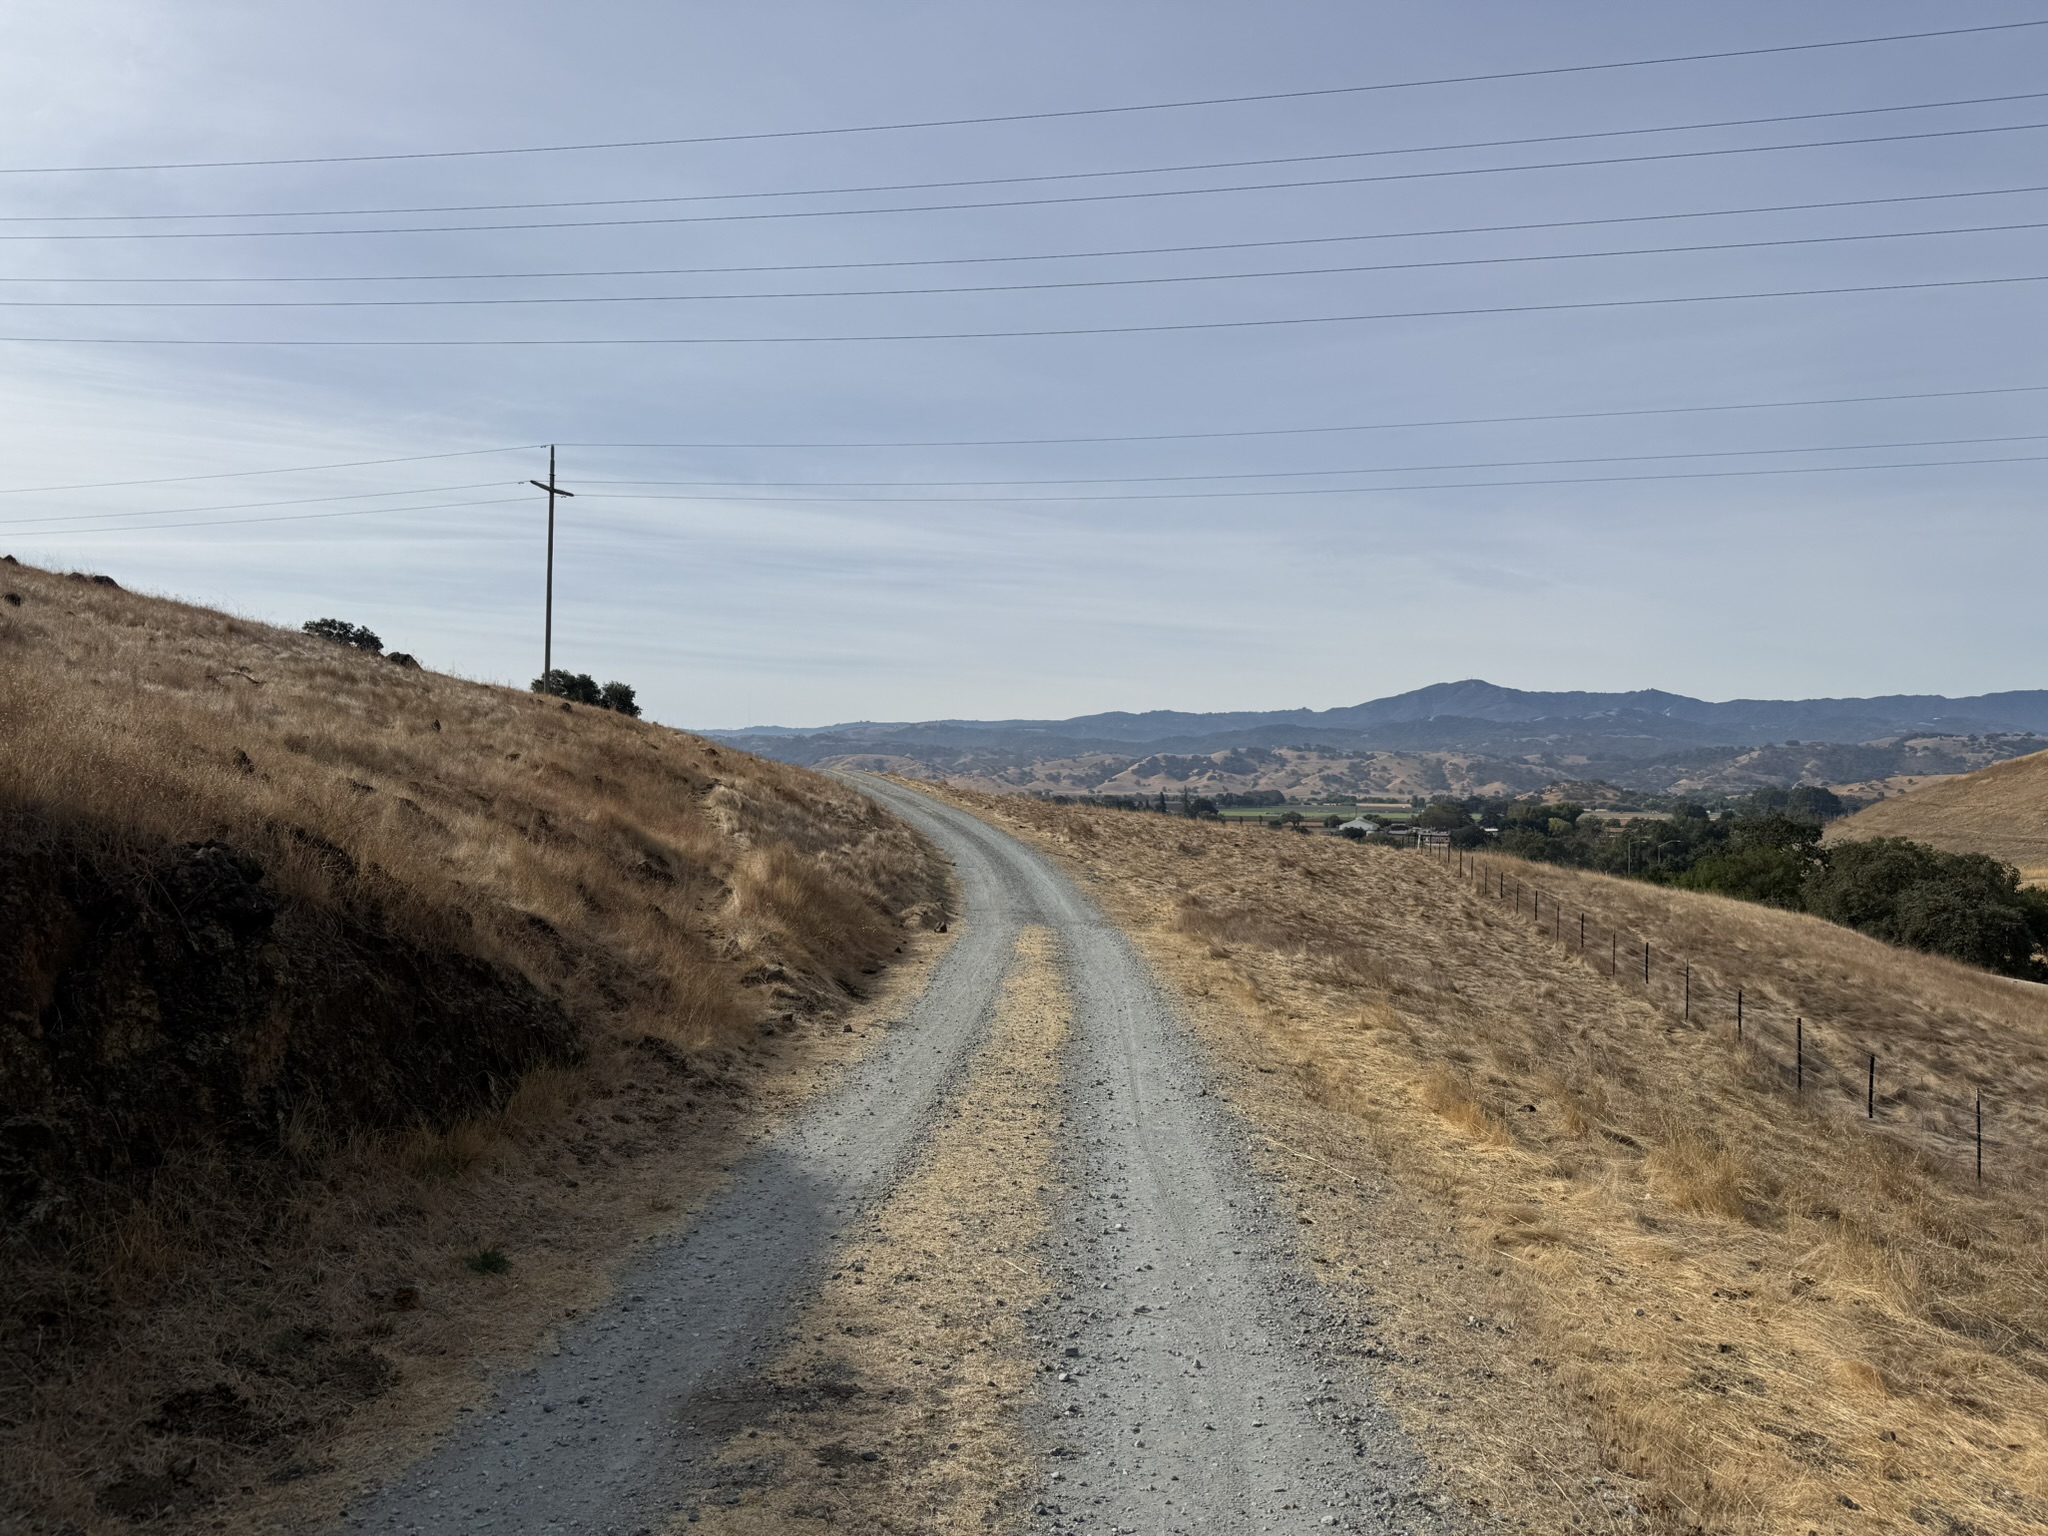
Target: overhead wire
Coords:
[(1147, 194), (1102, 254), (720, 491), (799, 501), (1326, 490), (1375, 426), (1370, 469), (1060, 285), (1152, 328), (246, 474), (1017, 442), (1712, 298), (289, 501), (1017, 180), (1052, 114), (17, 531)]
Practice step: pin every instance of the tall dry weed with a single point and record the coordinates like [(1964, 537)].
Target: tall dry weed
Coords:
[(1697, 1174), (1450, 1097)]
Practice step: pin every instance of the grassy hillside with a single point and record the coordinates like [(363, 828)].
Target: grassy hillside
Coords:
[(1571, 1211), (2001, 810), (351, 1018)]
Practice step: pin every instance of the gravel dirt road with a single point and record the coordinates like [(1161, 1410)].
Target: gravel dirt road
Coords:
[(1187, 1376)]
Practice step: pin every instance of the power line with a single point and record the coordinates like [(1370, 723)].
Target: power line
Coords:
[(1117, 251), (1329, 490), (1031, 442), (1467, 311), (291, 501), (238, 522), (1005, 181), (1140, 195), (1370, 426), (1123, 109), (247, 474), (1042, 287), (1122, 496), (1386, 469)]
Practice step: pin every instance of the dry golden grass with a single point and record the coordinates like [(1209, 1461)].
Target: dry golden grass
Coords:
[(1771, 1315), (256, 1325), (2001, 810)]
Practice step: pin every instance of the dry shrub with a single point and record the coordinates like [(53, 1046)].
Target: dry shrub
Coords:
[(1860, 1377), (1450, 1097), (701, 1002), (543, 1096), (1379, 1013), (428, 1155), (1697, 1175), (804, 901)]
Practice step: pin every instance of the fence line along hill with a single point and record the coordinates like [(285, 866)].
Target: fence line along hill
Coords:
[(1773, 1310)]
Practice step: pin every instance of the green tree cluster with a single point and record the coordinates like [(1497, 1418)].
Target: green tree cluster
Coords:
[(341, 632), (1767, 848), (581, 688), (1967, 906)]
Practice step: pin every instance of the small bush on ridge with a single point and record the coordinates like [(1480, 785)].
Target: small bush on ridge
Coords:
[(341, 632), (582, 688)]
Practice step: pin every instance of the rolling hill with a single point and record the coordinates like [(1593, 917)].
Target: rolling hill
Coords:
[(1464, 738), (332, 990), (2001, 810)]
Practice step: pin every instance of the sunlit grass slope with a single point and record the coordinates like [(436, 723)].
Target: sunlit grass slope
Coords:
[(321, 975), (1775, 1313), (2001, 810)]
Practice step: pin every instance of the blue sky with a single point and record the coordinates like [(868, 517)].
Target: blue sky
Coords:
[(800, 584)]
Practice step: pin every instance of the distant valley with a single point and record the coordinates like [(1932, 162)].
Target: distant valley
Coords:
[(1461, 738)]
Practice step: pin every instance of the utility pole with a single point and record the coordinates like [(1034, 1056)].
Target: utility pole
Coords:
[(547, 644)]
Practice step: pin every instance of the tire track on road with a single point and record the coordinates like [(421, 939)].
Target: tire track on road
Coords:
[(592, 1438), (1195, 1379), (1187, 1376), (893, 1408)]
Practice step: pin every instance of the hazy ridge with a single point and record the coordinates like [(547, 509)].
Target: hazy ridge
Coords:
[(1461, 737)]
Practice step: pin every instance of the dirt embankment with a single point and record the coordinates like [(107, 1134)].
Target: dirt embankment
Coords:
[(1591, 1228), (162, 1003), (352, 1019)]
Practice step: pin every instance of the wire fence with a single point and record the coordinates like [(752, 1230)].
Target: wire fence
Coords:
[(1824, 1065)]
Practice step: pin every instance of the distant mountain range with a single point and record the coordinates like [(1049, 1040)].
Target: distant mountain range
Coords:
[(1467, 736), (1451, 716)]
